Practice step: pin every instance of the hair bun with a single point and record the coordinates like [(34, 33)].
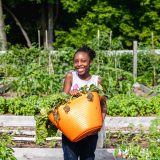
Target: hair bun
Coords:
[(85, 48)]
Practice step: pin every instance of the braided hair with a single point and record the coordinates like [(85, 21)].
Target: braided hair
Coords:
[(91, 53)]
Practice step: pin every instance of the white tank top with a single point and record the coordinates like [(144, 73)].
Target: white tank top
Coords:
[(77, 83)]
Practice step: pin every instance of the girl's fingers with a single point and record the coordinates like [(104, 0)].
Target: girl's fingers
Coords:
[(74, 92)]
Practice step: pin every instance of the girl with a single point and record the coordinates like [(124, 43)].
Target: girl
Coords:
[(74, 80)]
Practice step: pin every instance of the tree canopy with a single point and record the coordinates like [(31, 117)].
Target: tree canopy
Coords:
[(104, 24)]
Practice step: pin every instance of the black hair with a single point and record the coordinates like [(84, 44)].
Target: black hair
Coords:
[(91, 52)]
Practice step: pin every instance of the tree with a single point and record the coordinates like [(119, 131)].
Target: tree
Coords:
[(21, 27), (128, 20), (73, 23), (45, 22), (3, 41)]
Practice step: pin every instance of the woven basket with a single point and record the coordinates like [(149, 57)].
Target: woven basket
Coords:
[(79, 118)]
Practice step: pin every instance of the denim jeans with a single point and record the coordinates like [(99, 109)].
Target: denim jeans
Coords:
[(84, 148)]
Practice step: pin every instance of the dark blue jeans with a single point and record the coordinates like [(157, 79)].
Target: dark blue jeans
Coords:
[(84, 148)]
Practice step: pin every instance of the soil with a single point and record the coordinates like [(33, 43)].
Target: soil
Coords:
[(8, 94), (20, 144), (112, 143)]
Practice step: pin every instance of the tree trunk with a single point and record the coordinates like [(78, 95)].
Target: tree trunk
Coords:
[(55, 18), (3, 39), (50, 25), (43, 23), (20, 26), (49, 22)]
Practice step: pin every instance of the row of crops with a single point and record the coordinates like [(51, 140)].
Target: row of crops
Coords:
[(35, 74)]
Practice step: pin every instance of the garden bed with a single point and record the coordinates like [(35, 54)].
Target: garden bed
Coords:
[(23, 130)]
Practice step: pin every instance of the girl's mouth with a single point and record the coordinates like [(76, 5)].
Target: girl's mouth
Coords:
[(80, 69)]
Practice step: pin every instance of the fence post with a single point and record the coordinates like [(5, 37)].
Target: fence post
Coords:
[(152, 40), (39, 39), (98, 39), (110, 40), (46, 35), (39, 45), (134, 60)]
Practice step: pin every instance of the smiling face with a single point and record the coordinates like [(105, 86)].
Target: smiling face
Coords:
[(82, 62)]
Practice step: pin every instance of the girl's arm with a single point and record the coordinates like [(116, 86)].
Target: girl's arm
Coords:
[(103, 102), (67, 85)]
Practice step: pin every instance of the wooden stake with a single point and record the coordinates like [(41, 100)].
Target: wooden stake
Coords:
[(152, 40), (98, 37), (39, 45), (49, 63), (115, 65), (152, 51), (39, 39), (110, 39), (46, 33), (134, 60)]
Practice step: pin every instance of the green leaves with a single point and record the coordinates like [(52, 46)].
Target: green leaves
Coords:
[(75, 6), (131, 105), (3, 107), (92, 88), (139, 146), (134, 20), (6, 153), (44, 127)]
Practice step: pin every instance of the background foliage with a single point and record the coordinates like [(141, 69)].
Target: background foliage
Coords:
[(40, 73), (77, 22)]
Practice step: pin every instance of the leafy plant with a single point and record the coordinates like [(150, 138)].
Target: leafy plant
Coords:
[(6, 153), (44, 127), (133, 148), (132, 105), (2, 105)]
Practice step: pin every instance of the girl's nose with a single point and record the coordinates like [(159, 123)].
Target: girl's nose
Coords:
[(79, 63)]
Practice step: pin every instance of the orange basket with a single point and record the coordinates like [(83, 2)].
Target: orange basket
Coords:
[(82, 118)]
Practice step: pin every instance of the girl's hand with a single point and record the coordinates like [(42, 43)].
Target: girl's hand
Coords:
[(103, 107), (74, 92)]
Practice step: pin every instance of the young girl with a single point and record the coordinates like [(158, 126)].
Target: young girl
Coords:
[(74, 80)]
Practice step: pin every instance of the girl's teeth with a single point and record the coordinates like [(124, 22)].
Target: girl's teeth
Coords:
[(80, 69)]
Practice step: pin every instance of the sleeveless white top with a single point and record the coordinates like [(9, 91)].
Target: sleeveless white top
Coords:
[(77, 83)]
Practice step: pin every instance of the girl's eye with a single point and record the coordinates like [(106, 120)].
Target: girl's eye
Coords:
[(77, 61), (83, 61)]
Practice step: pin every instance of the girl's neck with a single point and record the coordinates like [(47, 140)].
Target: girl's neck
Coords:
[(86, 76)]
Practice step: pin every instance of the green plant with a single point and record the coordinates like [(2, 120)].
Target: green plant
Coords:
[(131, 147), (44, 127), (2, 105), (132, 105), (6, 153)]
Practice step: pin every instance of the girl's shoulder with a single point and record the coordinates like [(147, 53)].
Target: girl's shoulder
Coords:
[(70, 74), (96, 76), (99, 80)]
